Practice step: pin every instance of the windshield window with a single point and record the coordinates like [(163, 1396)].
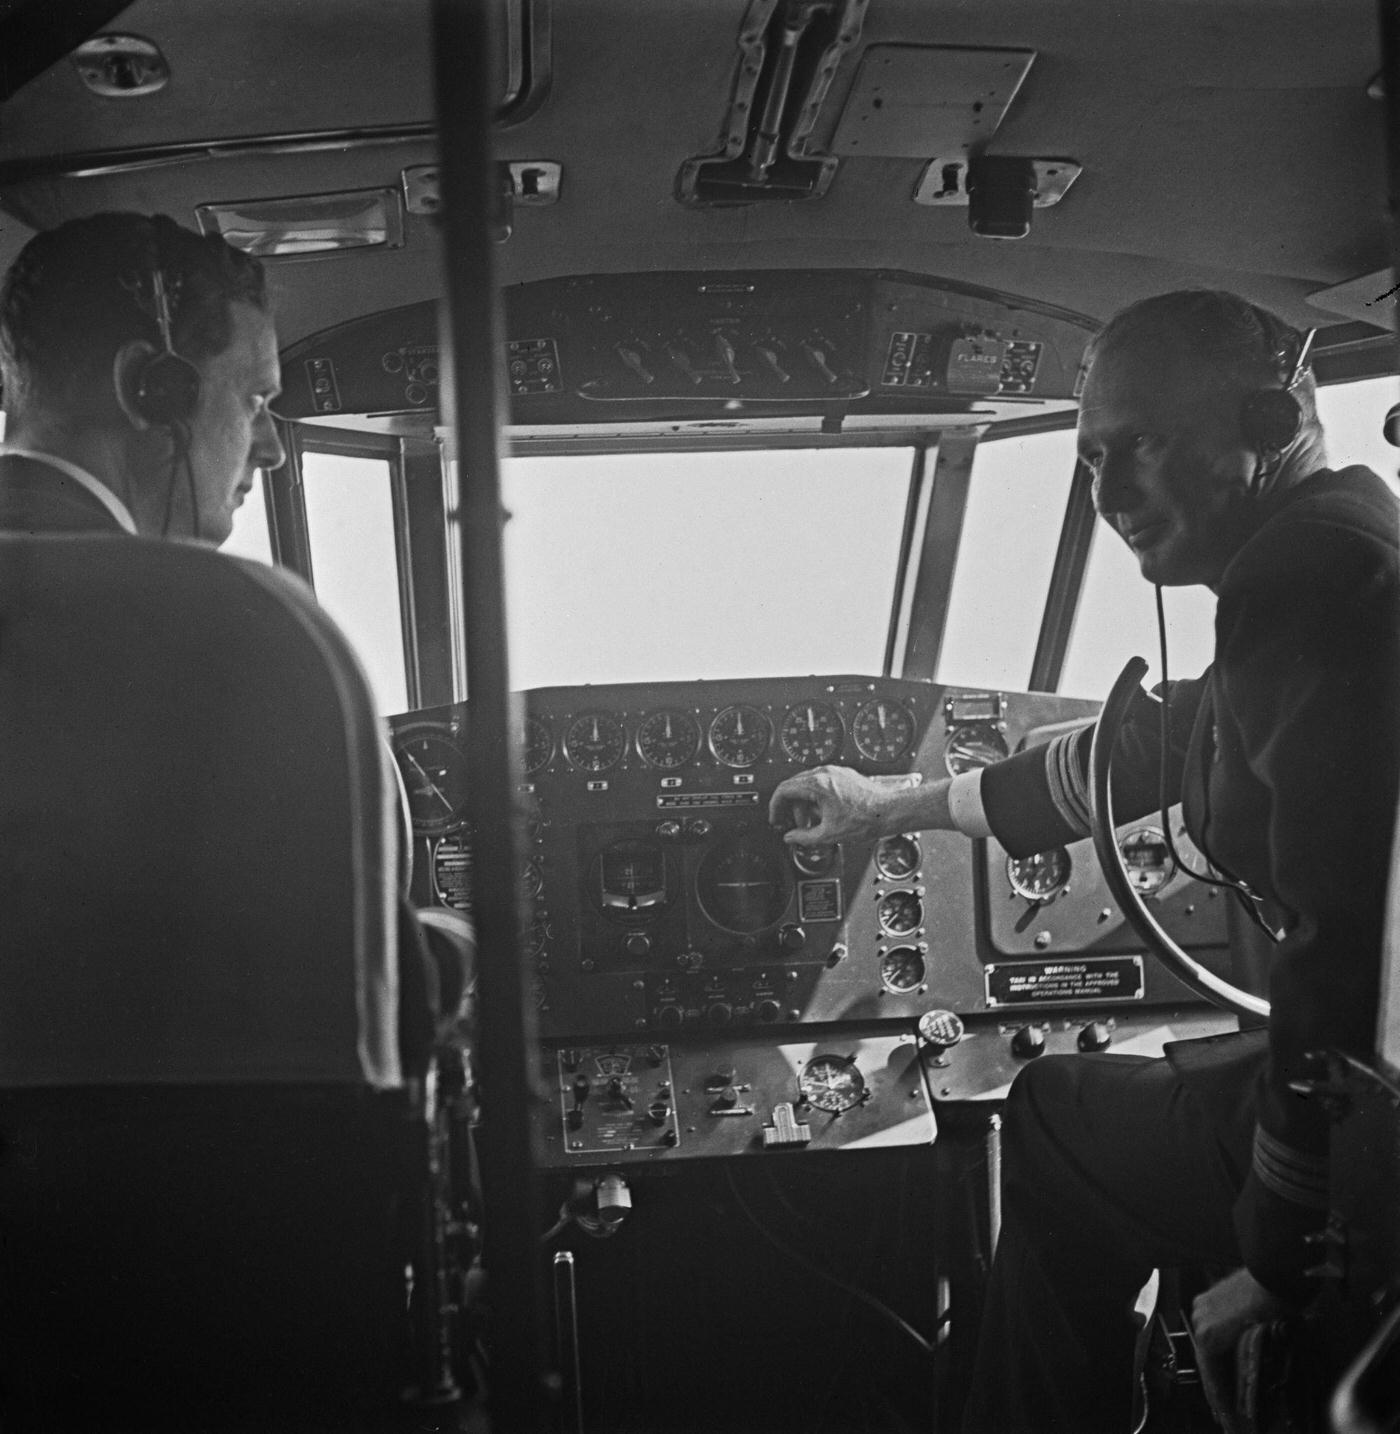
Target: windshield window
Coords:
[(651, 567)]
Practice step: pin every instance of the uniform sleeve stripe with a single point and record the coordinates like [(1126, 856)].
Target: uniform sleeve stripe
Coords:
[(1293, 1175), (1069, 786)]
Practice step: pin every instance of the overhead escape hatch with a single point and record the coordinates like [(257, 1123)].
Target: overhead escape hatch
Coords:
[(940, 104)]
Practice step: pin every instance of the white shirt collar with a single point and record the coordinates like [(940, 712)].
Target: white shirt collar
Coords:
[(83, 479)]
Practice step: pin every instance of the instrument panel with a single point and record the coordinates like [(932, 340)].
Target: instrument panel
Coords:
[(661, 900), (664, 914)]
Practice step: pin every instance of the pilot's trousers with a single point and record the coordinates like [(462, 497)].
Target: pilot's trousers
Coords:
[(1110, 1169)]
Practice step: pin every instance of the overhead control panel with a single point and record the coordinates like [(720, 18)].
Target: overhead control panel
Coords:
[(594, 348)]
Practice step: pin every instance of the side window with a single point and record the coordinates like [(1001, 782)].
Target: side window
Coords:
[(250, 537), (1117, 615), (1015, 510), (350, 518), (1353, 416), (1117, 619)]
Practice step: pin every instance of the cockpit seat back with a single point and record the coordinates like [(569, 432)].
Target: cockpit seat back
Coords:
[(196, 826), (207, 1155)]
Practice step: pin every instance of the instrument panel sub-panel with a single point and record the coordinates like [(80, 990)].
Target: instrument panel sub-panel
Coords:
[(663, 908), (636, 1103)]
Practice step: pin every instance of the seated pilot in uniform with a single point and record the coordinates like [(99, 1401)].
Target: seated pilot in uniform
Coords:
[(1199, 424)]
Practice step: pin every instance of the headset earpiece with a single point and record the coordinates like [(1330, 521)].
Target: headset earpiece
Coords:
[(1271, 419), (167, 386)]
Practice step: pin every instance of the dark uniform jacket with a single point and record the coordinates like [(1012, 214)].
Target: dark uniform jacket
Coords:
[(36, 497), (1284, 755)]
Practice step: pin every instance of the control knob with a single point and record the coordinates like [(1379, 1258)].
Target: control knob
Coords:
[(1028, 1043), (940, 1029), (1094, 1037)]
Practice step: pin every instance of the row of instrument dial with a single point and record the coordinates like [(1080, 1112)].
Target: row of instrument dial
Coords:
[(736, 736)]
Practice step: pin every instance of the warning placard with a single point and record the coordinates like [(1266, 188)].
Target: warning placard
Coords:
[(1097, 978), (819, 901)]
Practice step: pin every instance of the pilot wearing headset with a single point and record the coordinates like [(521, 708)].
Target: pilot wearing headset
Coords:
[(138, 363), (1199, 425)]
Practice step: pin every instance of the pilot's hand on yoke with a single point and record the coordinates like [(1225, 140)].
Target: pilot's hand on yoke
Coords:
[(825, 805), (1219, 1317)]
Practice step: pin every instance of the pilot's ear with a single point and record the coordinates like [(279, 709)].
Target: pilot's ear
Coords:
[(129, 364)]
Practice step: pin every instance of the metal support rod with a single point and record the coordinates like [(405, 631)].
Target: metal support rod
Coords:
[(933, 581), (462, 50), (915, 509), (1066, 583), (993, 1148), (566, 1339)]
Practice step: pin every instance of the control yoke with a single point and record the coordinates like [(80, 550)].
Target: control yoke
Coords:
[(1144, 922)]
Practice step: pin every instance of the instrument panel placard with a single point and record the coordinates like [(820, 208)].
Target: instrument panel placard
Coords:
[(1098, 978)]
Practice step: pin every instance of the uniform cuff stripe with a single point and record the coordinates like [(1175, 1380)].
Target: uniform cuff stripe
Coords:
[(1069, 787), (1293, 1175)]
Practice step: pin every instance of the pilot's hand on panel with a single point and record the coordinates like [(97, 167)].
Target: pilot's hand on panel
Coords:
[(825, 805), (1219, 1316)]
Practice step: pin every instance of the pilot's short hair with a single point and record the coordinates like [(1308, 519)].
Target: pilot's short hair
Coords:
[(78, 292), (1225, 331)]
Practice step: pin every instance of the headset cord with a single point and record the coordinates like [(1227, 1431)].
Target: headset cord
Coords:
[(1244, 893), (179, 457), (189, 480)]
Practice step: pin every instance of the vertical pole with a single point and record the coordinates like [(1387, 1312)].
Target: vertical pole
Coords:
[(993, 1148), (463, 85)]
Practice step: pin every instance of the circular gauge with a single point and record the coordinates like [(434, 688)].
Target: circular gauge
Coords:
[(743, 884), (531, 880), (883, 731), (452, 872), (900, 912), (668, 739), (978, 744), (630, 880), (814, 860), (1039, 877), (902, 969), (811, 732), (595, 741), (1149, 864), (739, 735), (537, 936), (832, 1083), (434, 775), (898, 857), (539, 745)]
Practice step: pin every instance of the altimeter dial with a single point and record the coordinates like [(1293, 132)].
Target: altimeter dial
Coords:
[(811, 732), (668, 739), (883, 731), (595, 741), (740, 735)]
